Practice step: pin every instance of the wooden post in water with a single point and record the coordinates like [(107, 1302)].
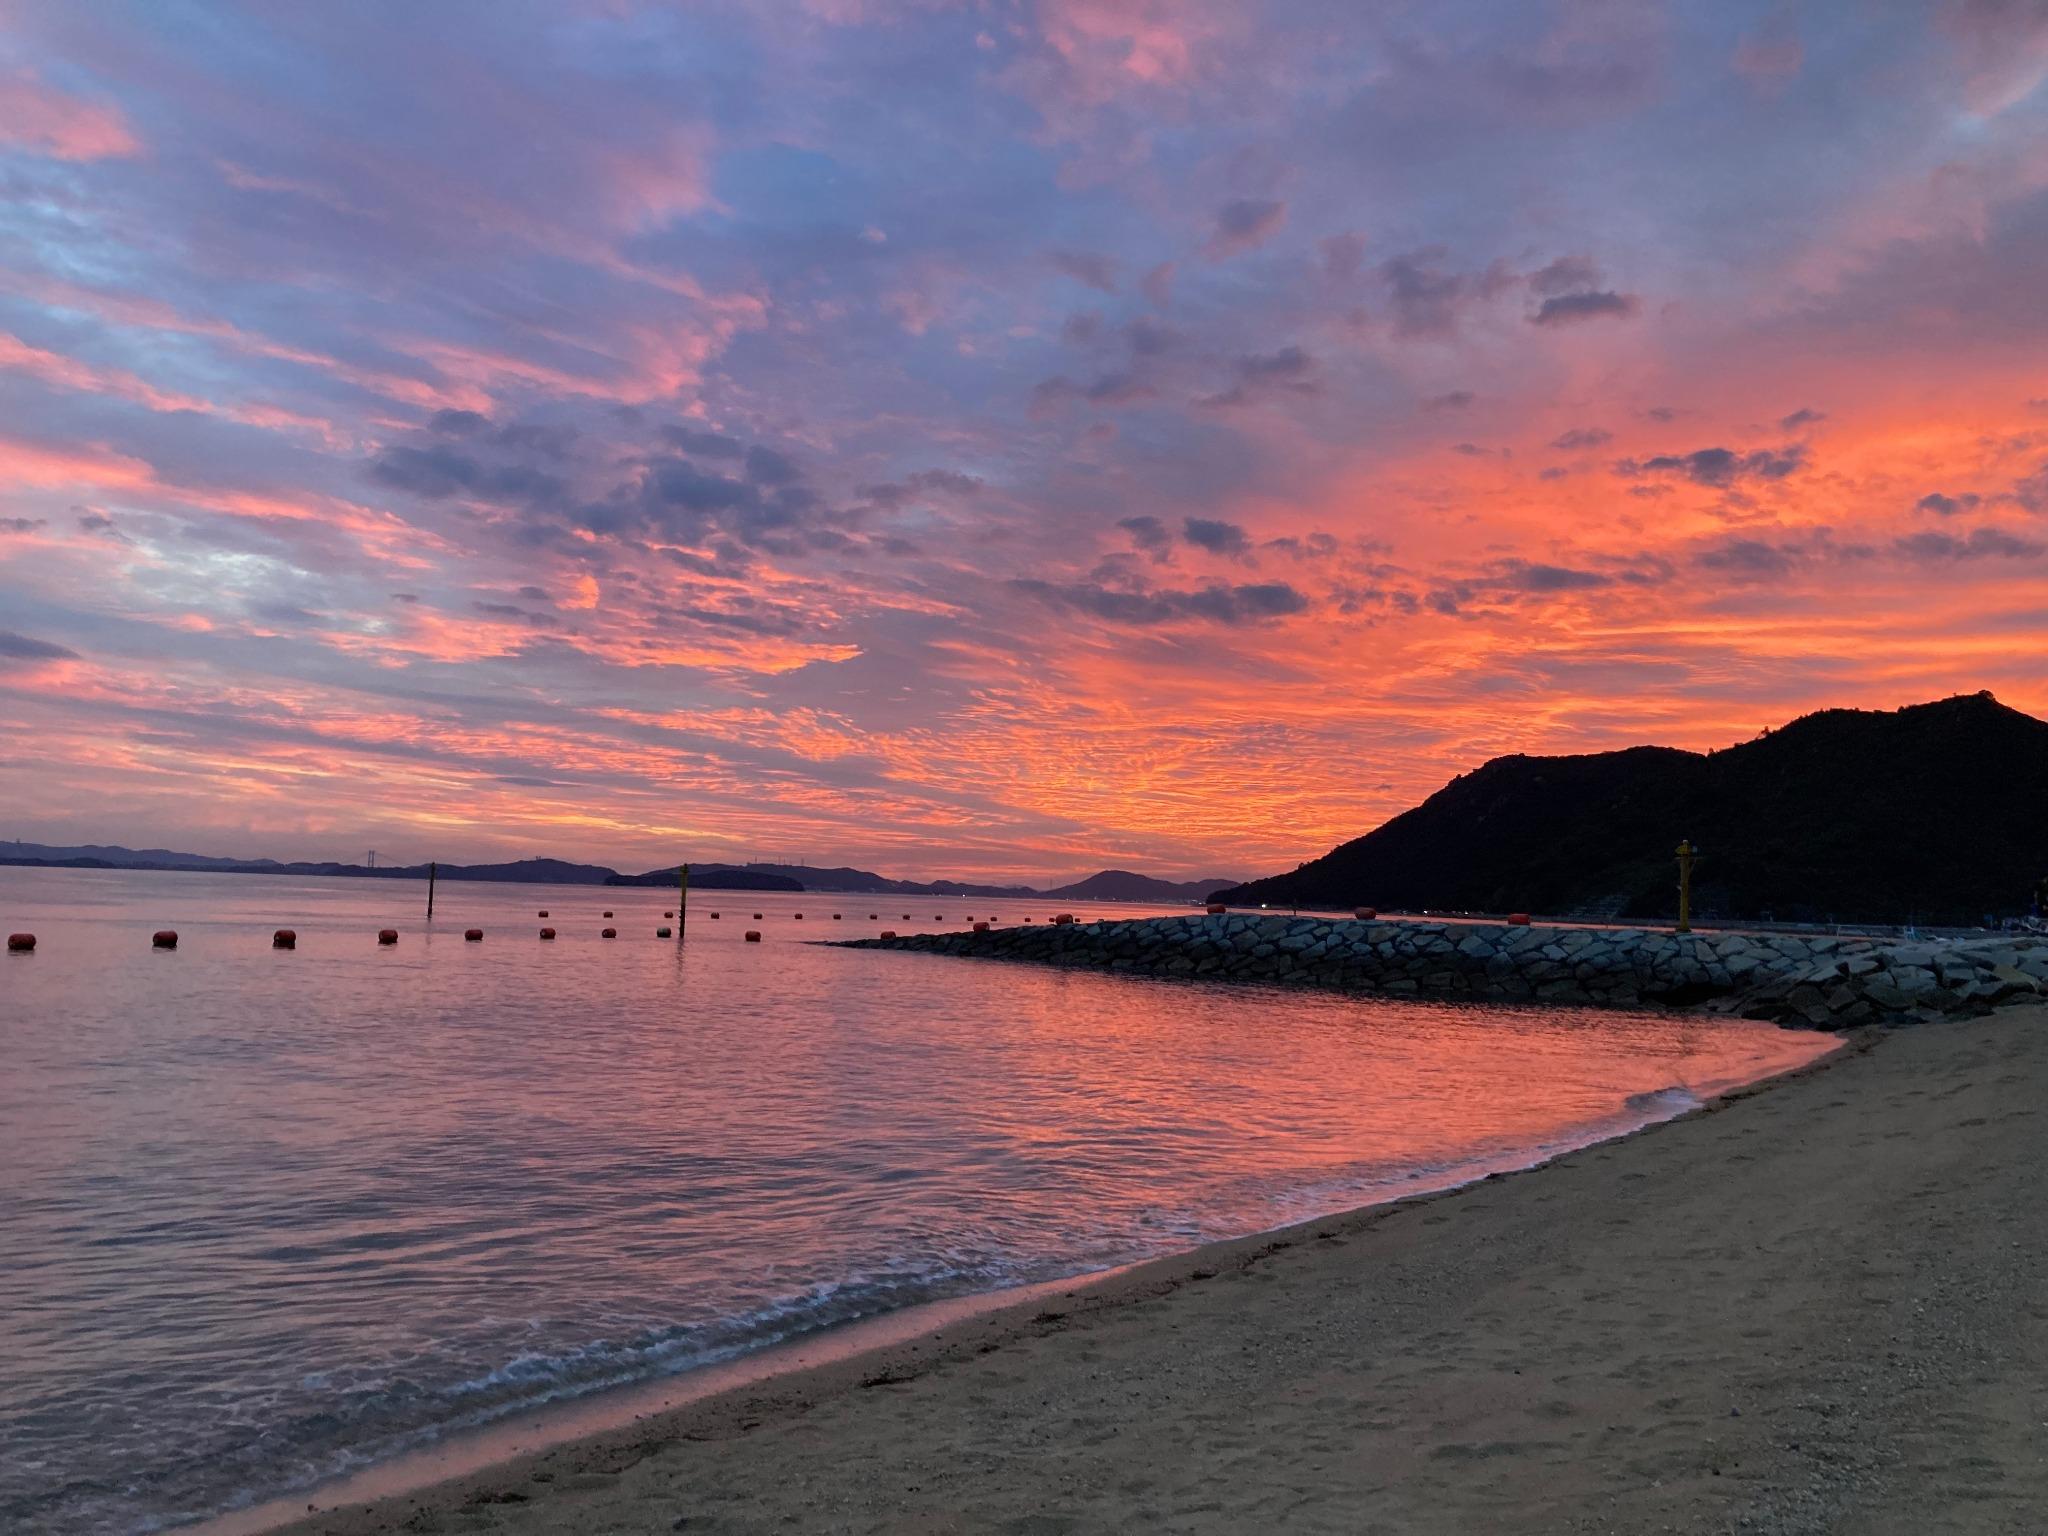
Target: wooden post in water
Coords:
[(682, 901), (1686, 854), (432, 870)]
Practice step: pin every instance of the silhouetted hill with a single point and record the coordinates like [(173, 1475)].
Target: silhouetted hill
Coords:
[(107, 856), (1123, 885), (1108, 885), (712, 877), (1934, 813), (1115, 885), (841, 878), (98, 856)]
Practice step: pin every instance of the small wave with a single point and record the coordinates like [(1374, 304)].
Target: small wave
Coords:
[(384, 1420), (1674, 1099), (538, 1378), (376, 1422)]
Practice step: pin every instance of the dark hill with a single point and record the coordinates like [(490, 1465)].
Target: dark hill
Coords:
[(1126, 885), (703, 876), (712, 877), (865, 881), (100, 856), (1935, 813)]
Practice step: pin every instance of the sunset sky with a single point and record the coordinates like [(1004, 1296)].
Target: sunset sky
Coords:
[(990, 439)]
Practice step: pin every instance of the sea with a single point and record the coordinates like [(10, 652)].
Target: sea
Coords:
[(269, 1217)]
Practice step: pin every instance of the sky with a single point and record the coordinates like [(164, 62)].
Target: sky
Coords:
[(1002, 438)]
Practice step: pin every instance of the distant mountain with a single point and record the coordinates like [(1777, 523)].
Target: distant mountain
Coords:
[(712, 877), (811, 878), (1110, 885), (103, 856), (1123, 885), (95, 856), (519, 871), (1933, 813)]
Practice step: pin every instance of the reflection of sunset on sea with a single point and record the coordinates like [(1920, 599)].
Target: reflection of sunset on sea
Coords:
[(994, 440)]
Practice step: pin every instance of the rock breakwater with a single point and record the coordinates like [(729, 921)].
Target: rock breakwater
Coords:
[(1821, 981)]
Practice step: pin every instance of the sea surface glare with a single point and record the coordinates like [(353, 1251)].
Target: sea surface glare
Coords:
[(270, 1215)]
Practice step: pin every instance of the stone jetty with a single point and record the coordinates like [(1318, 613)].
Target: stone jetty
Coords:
[(1822, 981)]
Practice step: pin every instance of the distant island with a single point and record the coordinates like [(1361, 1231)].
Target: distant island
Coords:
[(1107, 885), (1935, 813)]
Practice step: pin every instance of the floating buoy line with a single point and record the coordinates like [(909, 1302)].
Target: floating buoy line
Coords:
[(388, 938)]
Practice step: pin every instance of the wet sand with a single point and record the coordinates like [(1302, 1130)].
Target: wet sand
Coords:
[(1819, 1305)]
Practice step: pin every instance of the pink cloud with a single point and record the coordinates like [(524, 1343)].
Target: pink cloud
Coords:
[(44, 121), (657, 181), (1108, 44), (2002, 46), (28, 465), (69, 373)]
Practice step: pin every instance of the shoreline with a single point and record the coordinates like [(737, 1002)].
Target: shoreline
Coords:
[(509, 1466), (609, 1411), (1826, 982)]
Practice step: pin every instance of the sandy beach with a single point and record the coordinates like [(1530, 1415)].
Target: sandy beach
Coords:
[(1819, 1305)]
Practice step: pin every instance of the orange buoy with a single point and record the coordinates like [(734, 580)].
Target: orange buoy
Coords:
[(799, 917), (608, 933), (714, 917), (284, 938), (757, 917), (753, 935), (938, 917), (607, 914), (547, 933), (20, 943), (874, 917), (1518, 919), (540, 914), (473, 935), (668, 914), (1366, 914), (981, 927), (1062, 919), (165, 938), (1217, 909), (387, 935), (888, 933), (835, 917), (663, 932)]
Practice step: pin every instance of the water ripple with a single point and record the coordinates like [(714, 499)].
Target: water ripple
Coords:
[(273, 1215)]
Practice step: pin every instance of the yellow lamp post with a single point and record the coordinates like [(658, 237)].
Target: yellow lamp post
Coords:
[(1686, 854)]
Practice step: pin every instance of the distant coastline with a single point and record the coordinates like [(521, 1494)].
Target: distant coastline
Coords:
[(1107, 885), (522, 872)]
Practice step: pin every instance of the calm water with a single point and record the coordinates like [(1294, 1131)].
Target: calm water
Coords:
[(267, 1216)]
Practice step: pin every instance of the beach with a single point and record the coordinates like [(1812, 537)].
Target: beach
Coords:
[(1820, 1304)]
